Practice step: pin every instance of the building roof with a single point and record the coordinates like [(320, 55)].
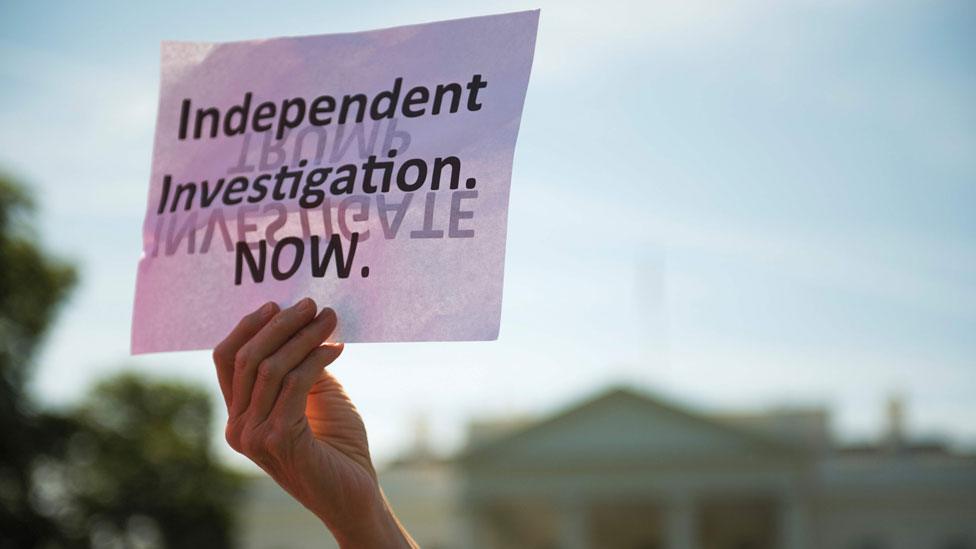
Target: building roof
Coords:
[(622, 424)]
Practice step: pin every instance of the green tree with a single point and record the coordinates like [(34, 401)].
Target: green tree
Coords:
[(32, 286), (130, 467), (142, 470)]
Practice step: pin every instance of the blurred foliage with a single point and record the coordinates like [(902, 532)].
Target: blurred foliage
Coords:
[(130, 467), (32, 285), (141, 469)]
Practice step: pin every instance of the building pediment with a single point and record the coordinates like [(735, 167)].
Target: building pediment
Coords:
[(621, 427)]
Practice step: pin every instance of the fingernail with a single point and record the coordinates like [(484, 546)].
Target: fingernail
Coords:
[(306, 305), (327, 312), (267, 309)]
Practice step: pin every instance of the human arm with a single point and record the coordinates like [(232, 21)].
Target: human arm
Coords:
[(293, 419)]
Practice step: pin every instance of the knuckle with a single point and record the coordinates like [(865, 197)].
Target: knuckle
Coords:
[(279, 319), (266, 370), (315, 330), (328, 355), (252, 443), (233, 436), (218, 354), (277, 441), (291, 383), (242, 358), (253, 318)]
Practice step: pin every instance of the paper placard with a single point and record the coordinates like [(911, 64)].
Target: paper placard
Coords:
[(369, 171)]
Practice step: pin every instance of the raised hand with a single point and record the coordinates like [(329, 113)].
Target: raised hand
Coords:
[(293, 418)]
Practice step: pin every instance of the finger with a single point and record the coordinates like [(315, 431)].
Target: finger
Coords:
[(224, 352), (267, 381), (290, 406), (268, 339)]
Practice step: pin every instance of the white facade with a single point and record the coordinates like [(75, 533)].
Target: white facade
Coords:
[(624, 470)]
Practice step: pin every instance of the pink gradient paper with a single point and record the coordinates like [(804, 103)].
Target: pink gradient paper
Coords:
[(417, 289)]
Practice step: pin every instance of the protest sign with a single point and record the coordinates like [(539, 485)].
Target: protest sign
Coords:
[(369, 171)]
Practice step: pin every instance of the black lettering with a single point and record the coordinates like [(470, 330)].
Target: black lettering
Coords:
[(190, 189), (347, 100), (315, 109), (476, 84), (265, 111), (418, 182), (334, 248), (393, 96), (255, 266), (167, 180), (312, 195), (184, 118), (237, 186), (258, 185), (206, 197), (454, 163), (344, 184), (242, 111), (299, 245), (203, 114), (422, 96), (439, 92), (284, 121)]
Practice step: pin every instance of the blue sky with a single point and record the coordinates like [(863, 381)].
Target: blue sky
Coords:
[(740, 205)]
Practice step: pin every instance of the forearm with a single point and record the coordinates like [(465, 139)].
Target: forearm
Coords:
[(378, 527), (293, 418)]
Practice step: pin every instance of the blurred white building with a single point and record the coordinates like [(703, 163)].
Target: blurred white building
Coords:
[(630, 471)]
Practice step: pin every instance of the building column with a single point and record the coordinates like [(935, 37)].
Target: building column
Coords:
[(792, 523), (470, 527), (680, 528), (573, 524)]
